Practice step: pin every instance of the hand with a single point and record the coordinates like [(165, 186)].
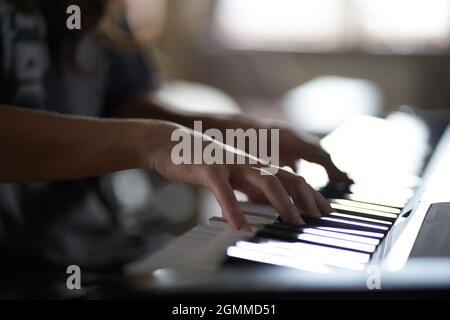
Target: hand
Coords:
[(222, 179), (293, 146)]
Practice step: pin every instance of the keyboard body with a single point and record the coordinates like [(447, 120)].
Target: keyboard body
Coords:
[(377, 228)]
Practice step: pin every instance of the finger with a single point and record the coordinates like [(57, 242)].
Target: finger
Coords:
[(224, 195), (335, 175), (314, 153), (322, 203), (275, 192), (253, 193), (301, 193)]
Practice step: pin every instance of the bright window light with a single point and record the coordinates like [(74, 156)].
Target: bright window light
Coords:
[(409, 24), (281, 23), (399, 26)]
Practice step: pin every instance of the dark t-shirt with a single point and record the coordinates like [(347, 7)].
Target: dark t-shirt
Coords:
[(69, 221)]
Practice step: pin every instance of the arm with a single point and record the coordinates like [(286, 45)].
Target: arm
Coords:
[(146, 106), (41, 146), (293, 145)]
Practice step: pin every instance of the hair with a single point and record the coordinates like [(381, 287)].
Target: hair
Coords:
[(101, 16)]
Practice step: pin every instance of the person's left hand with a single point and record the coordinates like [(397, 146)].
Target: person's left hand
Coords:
[(293, 146)]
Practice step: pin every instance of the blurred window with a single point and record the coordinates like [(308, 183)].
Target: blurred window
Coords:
[(385, 26)]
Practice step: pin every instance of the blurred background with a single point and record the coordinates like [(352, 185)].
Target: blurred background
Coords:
[(312, 62)]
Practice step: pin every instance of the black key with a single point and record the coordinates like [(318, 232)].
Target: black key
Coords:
[(287, 236), (365, 205), (336, 222), (357, 217), (366, 197), (382, 201), (355, 231), (331, 234), (303, 256), (363, 212)]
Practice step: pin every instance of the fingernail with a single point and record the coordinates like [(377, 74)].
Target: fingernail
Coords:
[(299, 221), (315, 212)]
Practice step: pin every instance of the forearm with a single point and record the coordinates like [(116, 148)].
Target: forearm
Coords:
[(40, 146)]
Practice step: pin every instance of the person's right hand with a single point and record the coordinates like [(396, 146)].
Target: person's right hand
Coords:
[(221, 179)]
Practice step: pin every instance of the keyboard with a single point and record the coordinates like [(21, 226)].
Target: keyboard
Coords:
[(376, 221), (346, 238)]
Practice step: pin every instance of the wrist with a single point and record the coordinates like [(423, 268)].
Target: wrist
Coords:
[(153, 142), (141, 139)]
